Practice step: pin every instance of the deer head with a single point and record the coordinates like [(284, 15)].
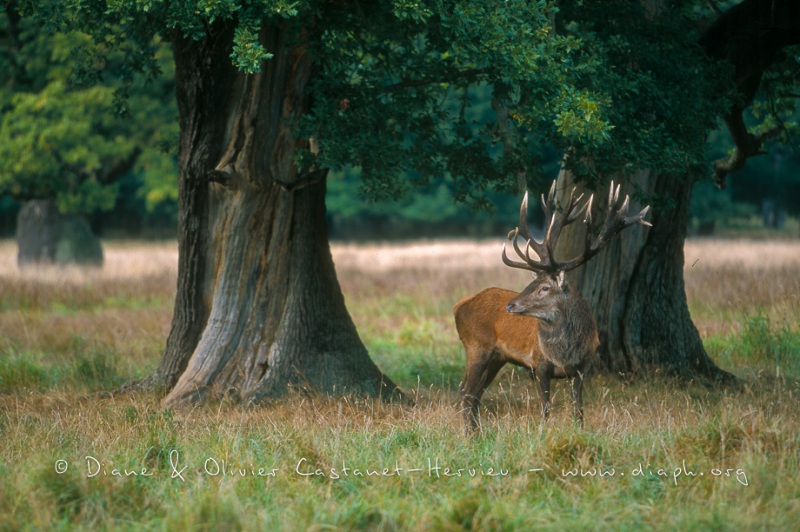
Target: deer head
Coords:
[(543, 298)]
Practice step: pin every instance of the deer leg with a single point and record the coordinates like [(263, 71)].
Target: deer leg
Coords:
[(543, 373), (577, 397), (480, 374)]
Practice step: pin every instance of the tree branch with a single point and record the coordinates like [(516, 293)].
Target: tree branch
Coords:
[(714, 7), (750, 37), (306, 179), (119, 167), (746, 145)]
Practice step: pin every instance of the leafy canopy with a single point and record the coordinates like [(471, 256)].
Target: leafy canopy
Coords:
[(399, 84)]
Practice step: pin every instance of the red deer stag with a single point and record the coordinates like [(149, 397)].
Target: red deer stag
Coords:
[(547, 328)]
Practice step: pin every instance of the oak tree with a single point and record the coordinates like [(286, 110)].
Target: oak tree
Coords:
[(676, 71), (274, 94)]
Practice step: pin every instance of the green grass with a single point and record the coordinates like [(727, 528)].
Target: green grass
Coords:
[(654, 453), (31, 372), (650, 486), (760, 341)]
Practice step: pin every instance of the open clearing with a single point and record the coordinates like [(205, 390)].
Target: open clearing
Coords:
[(654, 453)]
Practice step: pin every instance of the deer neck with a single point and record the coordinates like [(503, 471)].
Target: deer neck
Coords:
[(562, 339)]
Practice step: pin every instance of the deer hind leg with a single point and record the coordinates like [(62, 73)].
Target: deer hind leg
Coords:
[(481, 370), (544, 373)]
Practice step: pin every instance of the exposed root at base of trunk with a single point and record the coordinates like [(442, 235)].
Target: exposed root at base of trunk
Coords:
[(188, 396)]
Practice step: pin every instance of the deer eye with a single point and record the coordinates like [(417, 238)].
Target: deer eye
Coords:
[(545, 288)]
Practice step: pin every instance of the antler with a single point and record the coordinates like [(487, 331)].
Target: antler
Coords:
[(616, 220), (557, 218)]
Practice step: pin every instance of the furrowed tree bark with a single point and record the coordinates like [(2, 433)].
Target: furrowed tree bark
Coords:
[(636, 289), (658, 330), (259, 310), (203, 75)]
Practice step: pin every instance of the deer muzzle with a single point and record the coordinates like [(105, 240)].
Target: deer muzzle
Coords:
[(515, 308)]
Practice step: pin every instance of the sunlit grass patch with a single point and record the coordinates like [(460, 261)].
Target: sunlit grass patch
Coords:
[(636, 463)]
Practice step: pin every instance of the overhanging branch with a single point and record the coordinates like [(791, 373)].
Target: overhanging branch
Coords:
[(746, 145), (750, 37)]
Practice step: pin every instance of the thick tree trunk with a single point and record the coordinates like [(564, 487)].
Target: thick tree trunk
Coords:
[(259, 310), (45, 236), (635, 287)]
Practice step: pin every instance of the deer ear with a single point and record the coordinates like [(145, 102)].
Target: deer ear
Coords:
[(561, 279), (533, 276)]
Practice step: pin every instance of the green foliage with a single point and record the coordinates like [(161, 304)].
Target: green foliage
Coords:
[(55, 141), (711, 206), (396, 82), (74, 117), (777, 103), (406, 95), (659, 106), (406, 101), (159, 179), (773, 177), (432, 206), (476, 94)]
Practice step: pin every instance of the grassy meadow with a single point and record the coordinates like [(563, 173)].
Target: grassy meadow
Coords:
[(653, 453)]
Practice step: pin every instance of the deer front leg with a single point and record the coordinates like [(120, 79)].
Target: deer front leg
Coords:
[(481, 370), (544, 373), (577, 397)]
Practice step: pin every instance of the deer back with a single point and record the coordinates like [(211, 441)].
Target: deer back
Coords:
[(485, 327)]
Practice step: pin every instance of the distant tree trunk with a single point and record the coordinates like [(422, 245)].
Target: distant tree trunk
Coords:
[(259, 310), (636, 289), (46, 236)]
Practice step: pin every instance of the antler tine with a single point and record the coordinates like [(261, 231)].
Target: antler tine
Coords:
[(512, 263), (548, 201), (522, 230), (559, 220), (523, 219), (529, 264), (574, 208), (616, 220), (525, 233), (522, 255), (639, 218), (588, 219), (613, 194), (624, 207), (575, 214), (641, 215), (551, 196)]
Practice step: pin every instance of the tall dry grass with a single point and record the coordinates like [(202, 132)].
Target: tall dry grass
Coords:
[(122, 308), (64, 333), (725, 279), (387, 286)]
